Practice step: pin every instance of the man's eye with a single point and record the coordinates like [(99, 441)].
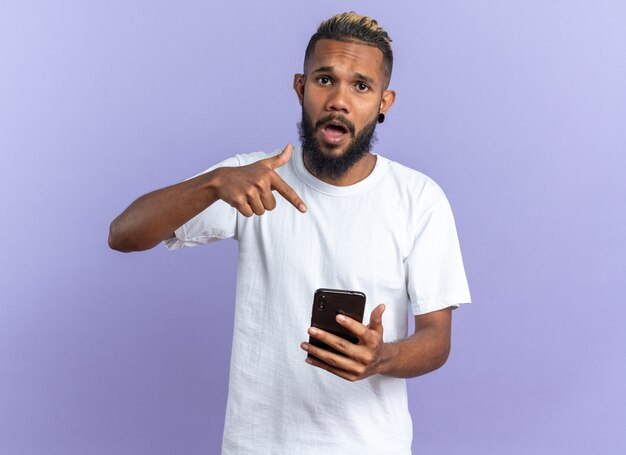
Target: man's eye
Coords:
[(324, 80), (361, 87)]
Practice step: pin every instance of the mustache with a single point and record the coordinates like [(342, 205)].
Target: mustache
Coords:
[(336, 118)]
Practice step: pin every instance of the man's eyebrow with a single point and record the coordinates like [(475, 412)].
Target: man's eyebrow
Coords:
[(330, 69), (365, 78), (323, 69)]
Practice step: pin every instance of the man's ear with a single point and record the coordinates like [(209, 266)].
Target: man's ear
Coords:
[(387, 100), (298, 86)]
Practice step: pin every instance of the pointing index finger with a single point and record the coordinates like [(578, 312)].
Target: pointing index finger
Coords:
[(280, 185), (288, 193)]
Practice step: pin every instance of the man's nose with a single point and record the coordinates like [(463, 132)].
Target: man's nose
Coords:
[(339, 100)]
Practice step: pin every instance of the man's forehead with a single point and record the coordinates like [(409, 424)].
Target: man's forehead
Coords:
[(359, 56)]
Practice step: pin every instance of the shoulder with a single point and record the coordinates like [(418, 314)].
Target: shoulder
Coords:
[(414, 185)]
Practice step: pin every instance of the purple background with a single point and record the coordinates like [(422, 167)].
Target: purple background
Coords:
[(518, 110)]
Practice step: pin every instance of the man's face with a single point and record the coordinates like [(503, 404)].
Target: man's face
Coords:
[(341, 96)]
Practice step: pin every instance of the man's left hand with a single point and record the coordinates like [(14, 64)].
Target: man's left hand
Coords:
[(362, 359)]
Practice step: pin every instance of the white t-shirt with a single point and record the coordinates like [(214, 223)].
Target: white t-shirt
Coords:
[(391, 236)]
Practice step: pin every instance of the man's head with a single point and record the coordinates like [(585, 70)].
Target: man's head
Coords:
[(343, 90)]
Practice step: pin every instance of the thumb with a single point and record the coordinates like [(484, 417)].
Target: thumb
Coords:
[(282, 158), (376, 318)]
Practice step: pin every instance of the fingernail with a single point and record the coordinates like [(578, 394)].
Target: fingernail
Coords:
[(305, 346), (313, 331), (341, 317), (302, 207)]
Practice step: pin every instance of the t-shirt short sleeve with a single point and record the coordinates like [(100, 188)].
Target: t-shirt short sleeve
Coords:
[(434, 267), (216, 222), (219, 220)]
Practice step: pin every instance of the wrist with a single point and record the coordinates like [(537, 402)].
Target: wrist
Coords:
[(210, 183), (388, 353)]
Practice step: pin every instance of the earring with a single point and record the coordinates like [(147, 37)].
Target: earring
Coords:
[(381, 117)]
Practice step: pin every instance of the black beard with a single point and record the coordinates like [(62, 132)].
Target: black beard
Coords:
[(330, 167)]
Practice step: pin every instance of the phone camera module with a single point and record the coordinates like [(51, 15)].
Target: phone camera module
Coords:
[(322, 303)]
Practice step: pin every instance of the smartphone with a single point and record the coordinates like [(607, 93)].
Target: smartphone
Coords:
[(327, 304)]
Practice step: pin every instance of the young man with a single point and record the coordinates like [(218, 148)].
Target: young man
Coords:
[(342, 218)]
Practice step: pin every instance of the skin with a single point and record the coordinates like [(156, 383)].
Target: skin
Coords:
[(339, 78)]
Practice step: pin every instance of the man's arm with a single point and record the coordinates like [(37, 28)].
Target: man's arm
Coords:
[(424, 351), (155, 216)]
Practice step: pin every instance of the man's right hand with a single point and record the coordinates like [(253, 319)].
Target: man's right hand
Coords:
[(153, 217), (249, 188)]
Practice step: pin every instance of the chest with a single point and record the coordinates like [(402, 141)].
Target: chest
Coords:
[(341, 242)]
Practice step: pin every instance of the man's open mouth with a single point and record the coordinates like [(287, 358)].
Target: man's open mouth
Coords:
[(334, 132)]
